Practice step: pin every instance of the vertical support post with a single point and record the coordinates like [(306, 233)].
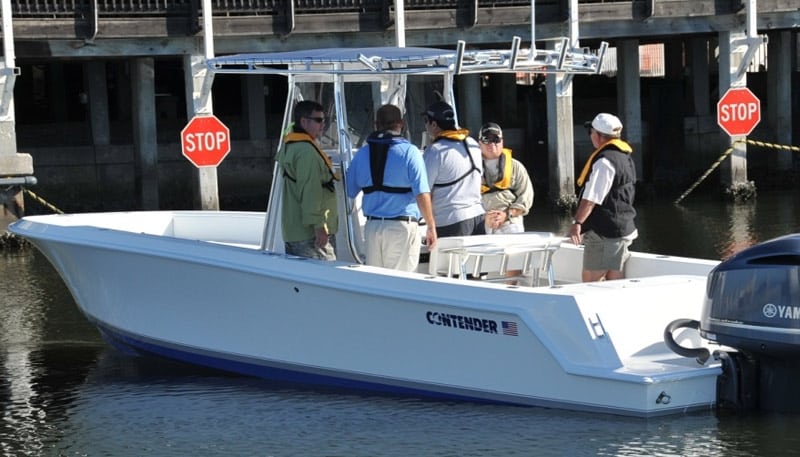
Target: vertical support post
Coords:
[(8, 70), (560, 134), (566, 81), (253, 100), (733, 172), (206, 191), (198, 81), (208, 30), (289, 17), (532, 54), (629, 98), (698, 52), (469, 106), (573, 23), (560, 126), (97, 91), (11, 162), (779, 94), (144, 130)]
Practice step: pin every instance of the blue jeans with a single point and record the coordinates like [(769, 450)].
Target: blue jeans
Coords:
[(308, 248)]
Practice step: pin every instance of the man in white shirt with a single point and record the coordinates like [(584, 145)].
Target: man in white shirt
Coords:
[(604, 218)]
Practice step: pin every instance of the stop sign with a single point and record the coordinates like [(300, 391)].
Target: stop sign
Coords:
[(738, 111), (205, 141)]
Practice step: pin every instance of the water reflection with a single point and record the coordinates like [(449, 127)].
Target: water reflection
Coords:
[(46, 350), (740, 233)]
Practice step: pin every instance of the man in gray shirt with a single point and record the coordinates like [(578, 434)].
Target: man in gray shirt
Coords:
[(453, 162)]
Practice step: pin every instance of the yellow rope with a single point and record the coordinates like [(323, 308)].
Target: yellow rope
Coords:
[(727, 152), (773, 145), (42, 201)]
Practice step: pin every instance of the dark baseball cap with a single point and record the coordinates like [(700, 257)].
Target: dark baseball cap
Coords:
[(440, 111)]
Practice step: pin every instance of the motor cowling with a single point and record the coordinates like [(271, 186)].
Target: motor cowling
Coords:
[(752, 304)]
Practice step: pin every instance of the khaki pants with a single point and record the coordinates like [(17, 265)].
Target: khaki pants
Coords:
[(393, 244)]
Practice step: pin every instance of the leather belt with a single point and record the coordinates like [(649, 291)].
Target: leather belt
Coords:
[(396, 218)]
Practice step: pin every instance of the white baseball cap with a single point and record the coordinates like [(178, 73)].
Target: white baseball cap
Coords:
[(607, 124)]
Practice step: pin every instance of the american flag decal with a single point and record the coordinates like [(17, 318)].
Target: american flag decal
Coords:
[(509, 328)]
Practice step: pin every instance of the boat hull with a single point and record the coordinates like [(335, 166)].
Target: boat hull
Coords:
[(221, 304)]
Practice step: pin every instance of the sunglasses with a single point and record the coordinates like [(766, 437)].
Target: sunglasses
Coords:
[(318, 120), (490, 140)]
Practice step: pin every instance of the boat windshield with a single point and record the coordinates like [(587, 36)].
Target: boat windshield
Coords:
[(353, 121)]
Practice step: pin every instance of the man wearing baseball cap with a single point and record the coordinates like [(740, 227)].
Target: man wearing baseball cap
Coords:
[(506, 190), (453, 162), (604, 218)]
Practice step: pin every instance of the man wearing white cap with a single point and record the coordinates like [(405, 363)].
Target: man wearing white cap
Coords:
[(604, 218)]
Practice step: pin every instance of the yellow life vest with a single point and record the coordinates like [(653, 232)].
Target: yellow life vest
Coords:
[(587, 167), (457, 135), (296, 137), (506, 173)]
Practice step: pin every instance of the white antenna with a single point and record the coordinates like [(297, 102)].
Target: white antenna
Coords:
[(533, 30), (400, 23)]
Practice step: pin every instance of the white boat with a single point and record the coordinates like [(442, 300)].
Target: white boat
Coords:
[(215, 288)]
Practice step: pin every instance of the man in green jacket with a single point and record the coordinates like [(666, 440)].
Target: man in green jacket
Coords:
[(310, 215)]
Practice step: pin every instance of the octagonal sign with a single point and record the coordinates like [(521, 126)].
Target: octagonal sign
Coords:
[(205, 141), (738, 111)]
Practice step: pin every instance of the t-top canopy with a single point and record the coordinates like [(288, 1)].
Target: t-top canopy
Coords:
[(339, 60), (413, 60)]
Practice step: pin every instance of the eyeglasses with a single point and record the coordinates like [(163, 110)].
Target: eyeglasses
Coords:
[(490, 140), (318, 120)]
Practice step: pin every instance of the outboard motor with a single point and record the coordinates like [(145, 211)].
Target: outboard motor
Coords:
[(753, 304)]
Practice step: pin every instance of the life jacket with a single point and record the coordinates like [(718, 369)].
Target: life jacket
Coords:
[(613, 217), (504, 179), (379, 144), (300, 137), (616, 143), (457, 135)]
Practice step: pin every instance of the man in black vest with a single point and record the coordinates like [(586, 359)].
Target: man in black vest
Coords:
[(604, 218)]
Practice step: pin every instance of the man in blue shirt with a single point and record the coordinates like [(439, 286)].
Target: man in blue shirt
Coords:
[(391, 173)]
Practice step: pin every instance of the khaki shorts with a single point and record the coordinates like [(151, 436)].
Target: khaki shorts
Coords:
[(604, 254)]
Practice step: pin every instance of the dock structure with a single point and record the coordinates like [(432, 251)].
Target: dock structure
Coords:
[(96, 92)]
